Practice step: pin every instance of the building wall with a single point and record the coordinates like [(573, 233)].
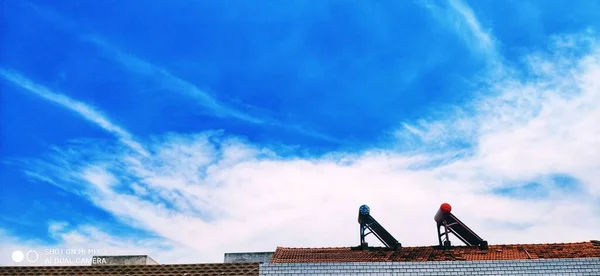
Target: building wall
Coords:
[(249, 257), (579, 267)]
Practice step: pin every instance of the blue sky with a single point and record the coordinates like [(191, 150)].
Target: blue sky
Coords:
[(146, 127)]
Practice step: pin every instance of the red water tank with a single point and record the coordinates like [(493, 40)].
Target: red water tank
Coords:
[(445, 208)]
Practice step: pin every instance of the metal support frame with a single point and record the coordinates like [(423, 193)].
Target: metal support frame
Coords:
[(446, 242), (459, 230), (364, 227), (367, 222)]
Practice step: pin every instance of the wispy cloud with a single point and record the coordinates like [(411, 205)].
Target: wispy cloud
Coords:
[(213, 105), (482, 38), (85, 111), (458, 15), (171, 82)]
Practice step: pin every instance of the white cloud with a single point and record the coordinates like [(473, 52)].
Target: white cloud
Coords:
[(530, 128)]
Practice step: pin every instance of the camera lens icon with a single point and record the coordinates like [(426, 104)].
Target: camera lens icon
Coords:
[(32, 256), (18, 256)]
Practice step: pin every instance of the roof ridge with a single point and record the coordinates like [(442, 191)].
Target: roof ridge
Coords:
[(331, 247), (427, 246), (505, 244), (548, 243)]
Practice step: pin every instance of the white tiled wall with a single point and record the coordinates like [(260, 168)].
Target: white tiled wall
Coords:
[(579, 267)]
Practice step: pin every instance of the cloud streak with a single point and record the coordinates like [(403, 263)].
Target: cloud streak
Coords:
[(205, 99), (85, 111), (458, 15), (467, 16), (171, 82)]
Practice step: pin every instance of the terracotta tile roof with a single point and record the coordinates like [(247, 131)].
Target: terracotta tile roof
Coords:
[(134, 270), (434, 253)]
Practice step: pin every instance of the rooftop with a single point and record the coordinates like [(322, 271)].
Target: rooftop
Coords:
[(436, 253), (134, 270)]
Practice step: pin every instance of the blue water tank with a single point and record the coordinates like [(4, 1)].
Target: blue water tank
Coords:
[(364, 210)]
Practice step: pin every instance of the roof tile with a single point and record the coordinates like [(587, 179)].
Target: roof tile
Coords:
[(434, 253)]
